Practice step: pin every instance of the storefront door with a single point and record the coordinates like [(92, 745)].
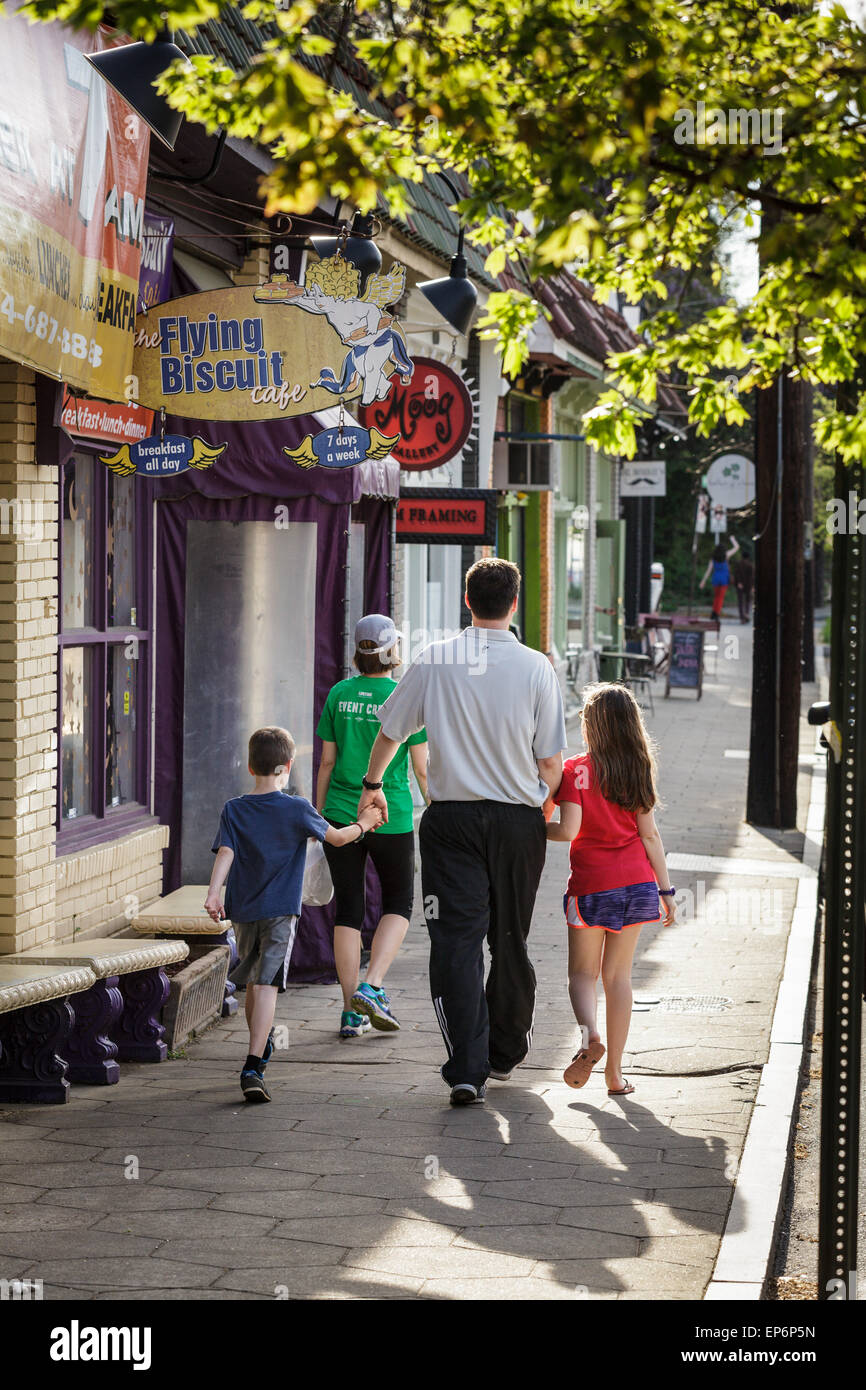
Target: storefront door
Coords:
[(609, 616), (249, 653)]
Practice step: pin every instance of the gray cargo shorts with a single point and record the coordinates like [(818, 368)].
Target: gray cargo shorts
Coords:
[(265, 949)]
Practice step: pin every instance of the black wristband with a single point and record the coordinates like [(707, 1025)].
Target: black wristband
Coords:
[(362, 834), (667, 892), (371, 786)]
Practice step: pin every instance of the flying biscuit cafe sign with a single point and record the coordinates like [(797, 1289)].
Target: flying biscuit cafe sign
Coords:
[(279, 349)]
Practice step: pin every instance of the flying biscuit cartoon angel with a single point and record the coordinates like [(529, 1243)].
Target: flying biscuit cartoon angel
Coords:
[(375, 342)]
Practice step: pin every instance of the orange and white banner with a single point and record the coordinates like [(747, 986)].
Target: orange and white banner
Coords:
[(73, 174)]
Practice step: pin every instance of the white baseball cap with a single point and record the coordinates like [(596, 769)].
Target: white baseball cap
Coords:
[(375, 627)]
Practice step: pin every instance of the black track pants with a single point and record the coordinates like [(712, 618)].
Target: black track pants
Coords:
[(481, 863)]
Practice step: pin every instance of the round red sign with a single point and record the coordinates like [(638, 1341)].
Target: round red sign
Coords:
[(433, 415)]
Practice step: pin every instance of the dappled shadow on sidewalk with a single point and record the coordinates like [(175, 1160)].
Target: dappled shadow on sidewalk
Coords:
[(586, 1200)]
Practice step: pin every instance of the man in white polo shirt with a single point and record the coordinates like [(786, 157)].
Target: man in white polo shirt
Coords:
[(496, 730)]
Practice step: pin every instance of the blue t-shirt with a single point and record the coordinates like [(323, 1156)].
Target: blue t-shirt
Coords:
[(268, 833), (721, 573)]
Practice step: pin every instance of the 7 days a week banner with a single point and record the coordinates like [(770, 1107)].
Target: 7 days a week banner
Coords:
[(73, 170)]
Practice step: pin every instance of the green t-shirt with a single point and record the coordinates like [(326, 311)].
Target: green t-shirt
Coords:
[(349, 720)]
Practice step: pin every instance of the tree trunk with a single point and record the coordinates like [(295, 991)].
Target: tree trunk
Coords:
[(761, 804), (797, 451), (809, 566), (778, 632)]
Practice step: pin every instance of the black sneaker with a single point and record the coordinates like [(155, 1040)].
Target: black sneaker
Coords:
[(464, 1094), (253, 1087), (269, 1049)]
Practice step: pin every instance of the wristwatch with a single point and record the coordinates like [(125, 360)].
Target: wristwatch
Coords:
[(667, 892), (371, 786)]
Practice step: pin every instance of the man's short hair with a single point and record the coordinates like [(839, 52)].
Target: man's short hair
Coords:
[(492, 585), (270, 749)]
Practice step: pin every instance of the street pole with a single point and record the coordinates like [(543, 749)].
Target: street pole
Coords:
[(694, 564), (470, 469)]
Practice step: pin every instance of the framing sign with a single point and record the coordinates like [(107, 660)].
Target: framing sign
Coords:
[(447, 516)]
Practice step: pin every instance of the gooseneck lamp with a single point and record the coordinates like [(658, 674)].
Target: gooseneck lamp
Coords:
[(453, 295), (131, 71), (358, 247)]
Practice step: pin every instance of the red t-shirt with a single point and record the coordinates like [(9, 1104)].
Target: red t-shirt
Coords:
[(608, 851)]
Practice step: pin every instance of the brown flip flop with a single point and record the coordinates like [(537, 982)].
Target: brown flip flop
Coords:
[(626, 1090), (580, 1070)]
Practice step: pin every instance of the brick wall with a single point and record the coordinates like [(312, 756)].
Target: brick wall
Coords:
[(92, 892), (254, 270), (28, 670), (43, 899), (100, 890)]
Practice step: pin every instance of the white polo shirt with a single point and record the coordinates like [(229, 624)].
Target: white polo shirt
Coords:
[(491, 707)]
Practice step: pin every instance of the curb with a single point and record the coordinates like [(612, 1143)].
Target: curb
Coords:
[(750, 1230)]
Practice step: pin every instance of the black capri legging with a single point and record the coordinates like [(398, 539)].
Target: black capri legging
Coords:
[(393, 858)]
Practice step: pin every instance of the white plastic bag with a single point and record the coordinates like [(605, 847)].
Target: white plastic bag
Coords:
[(318, 888)]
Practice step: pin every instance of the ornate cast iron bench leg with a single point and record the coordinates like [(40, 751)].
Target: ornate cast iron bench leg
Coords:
[(138, 1032), (33, 1044), (92, 1055)]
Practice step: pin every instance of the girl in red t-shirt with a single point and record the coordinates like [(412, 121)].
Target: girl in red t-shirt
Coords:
[(619, 876)]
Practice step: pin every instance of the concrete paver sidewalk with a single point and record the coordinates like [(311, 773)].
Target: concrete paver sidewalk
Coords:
[(359, 1181)]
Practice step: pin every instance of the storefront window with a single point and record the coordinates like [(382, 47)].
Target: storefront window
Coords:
[(528, 459), (249, 660), (120, 715), (76, 764), (78, 522), (120, 549), (576, 560), (105, 646)]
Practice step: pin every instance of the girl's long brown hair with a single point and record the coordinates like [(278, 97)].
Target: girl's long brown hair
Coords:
[(619, 747)]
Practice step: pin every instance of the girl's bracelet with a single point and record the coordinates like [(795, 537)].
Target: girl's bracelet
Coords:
[(667, 892)]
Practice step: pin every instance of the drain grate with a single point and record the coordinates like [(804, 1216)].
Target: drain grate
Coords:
[(685, 1004)]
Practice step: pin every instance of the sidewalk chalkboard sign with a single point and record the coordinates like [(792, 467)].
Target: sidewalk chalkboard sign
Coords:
[(686, 666)]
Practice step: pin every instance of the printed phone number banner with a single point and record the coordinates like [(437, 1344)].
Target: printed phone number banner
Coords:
[(278, 349), (73, 170)]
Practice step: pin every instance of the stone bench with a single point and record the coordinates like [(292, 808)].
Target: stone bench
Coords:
[(117, 1018), (36, 1020), (182, 914)]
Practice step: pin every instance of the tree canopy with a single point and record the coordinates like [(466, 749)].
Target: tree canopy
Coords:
[(618, 137)]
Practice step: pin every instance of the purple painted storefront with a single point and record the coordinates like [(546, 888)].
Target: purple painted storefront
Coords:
[(248, 483)]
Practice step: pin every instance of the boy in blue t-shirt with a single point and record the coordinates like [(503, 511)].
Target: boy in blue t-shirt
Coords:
[(260, 849)]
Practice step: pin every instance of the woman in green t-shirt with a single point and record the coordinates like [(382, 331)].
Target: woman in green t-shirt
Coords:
[(348, 729)]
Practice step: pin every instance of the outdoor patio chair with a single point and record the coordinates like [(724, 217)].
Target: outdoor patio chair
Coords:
[(639, 674)]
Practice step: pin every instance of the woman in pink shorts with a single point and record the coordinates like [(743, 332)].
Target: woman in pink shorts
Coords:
[(619, 877)]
